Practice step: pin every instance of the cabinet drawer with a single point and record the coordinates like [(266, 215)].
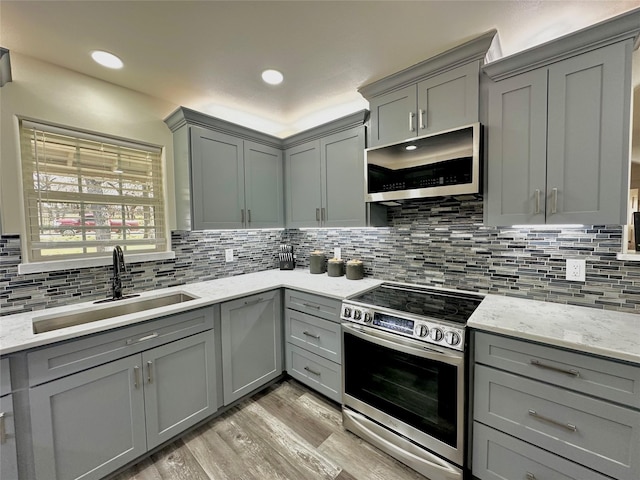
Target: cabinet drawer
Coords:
[(497, 456), (314, 371), (586, 430), (314, 334), (5, 377), (73, 356), (324, 307), (602, 378)]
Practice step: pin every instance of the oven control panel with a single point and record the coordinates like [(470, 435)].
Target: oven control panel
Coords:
[(424, 330)]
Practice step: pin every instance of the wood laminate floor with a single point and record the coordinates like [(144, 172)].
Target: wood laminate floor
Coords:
[(286, 432)]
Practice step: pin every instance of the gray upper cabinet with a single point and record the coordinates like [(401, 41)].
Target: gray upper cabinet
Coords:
[(324, 177), (251, 333), (437, 94), (226, 176), (558, 132)]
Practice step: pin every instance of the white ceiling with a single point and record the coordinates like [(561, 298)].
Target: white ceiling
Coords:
[(208, 55)]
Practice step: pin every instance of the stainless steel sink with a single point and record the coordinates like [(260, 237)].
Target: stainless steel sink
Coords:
[(47, 323)]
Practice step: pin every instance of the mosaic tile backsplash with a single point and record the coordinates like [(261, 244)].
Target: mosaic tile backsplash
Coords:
[(439, 242)]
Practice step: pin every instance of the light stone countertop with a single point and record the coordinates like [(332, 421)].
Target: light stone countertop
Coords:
[(606, 333), (16, 331)]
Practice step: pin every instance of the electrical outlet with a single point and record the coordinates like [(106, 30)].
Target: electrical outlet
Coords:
[(576, 270), (337, 252), (228, 255)]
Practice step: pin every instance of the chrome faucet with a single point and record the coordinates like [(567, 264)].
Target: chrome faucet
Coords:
[(118, 268)]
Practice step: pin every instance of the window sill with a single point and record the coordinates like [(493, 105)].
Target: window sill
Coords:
[(629, 256), (57, 265)]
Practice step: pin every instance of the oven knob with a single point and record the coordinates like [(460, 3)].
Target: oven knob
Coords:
[(367, 317), (422, 330), (452, 338), (436, 334), (346, 312), (357, 314)]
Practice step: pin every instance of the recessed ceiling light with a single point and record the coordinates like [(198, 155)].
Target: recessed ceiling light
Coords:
[(106, 59), (272, 77), (410, 147)]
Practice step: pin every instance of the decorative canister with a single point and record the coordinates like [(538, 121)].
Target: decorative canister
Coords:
[(335, 267), (316, 262), (355, 269)]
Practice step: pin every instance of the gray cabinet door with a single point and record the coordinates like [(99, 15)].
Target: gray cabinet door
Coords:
[(303, 197), (588, 157), (264, 191), (342, 175), (179, 386), (217, 180), (8, 458), (251, 332), (88, 424), (449, 100), (517, 136), (393, 116)]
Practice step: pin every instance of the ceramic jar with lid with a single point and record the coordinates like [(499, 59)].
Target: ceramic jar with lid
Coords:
[(316, 262), (335, 267), (355, 270)]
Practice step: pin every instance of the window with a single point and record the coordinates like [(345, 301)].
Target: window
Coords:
[(85, 193)]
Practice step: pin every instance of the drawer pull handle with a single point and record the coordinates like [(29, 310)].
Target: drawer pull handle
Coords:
[(311, 335), (568, 426), (142, 339), (3, 430), (530, 476), (253, 302), (312, 371), (136, 376), (310, 305), (539, 364), (149, 372)]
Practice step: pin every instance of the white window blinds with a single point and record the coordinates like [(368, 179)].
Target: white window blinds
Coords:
[(85, 193)]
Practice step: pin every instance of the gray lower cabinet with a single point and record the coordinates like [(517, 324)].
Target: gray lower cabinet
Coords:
[(314, 342), (251, 333), (90, 423), (8, 454), (555, 412), (558, 141)]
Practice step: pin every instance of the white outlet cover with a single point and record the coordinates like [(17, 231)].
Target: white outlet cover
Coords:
[(337, 252), (576, 270), (228, 254)]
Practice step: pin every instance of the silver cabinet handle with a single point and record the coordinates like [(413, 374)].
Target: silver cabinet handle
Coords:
[(312, 371), (136, 376), (149, 372), (311, 305), (554, 203), (421, 119), (411, 115), (317, 214), (249, 216), (3, 428), (537, 211), (143, 339), (539, 364), (568, 426), (323, 214), (530, 476), (311, 335), (253, 302), (242, 215)]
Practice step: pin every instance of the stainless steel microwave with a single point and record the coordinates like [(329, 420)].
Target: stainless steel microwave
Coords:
[(445, 163)]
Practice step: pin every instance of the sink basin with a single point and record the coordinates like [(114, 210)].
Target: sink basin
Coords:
[(47, 323)]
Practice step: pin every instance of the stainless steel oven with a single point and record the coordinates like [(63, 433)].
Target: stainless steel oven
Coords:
[(404, 374)]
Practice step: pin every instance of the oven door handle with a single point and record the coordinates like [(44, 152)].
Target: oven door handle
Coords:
[(396, 342)]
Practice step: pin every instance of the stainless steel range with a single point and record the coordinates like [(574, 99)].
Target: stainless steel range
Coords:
[(404, 374)]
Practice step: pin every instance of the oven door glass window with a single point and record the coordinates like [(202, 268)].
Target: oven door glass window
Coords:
[(418, 391)]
